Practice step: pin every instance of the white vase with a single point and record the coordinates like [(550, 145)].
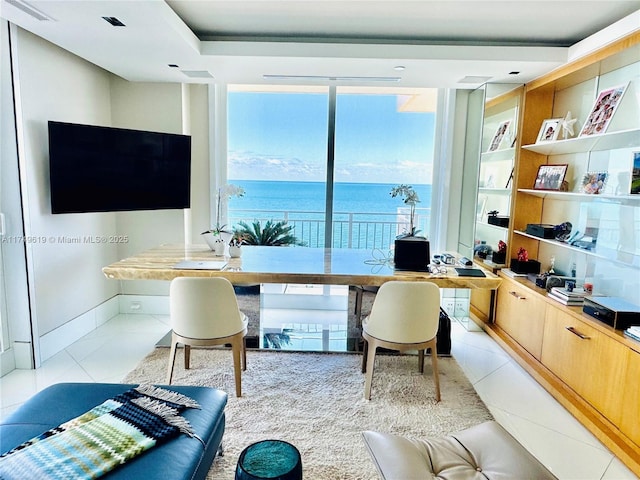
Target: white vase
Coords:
[(217, 241), (235, 251)]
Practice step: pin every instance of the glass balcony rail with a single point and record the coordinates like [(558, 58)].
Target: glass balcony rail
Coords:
[(350, 230)]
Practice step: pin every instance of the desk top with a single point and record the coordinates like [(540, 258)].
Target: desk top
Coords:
[(261, 264)]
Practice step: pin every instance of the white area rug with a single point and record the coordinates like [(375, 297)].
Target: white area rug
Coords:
[(315, 401)]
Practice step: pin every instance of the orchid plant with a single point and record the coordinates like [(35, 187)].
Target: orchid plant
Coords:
[(409, 197), (224, 193)]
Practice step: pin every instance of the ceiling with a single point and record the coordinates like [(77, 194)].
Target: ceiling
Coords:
[(446, 43)]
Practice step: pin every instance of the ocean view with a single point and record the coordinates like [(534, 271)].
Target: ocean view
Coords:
[(365, 214)]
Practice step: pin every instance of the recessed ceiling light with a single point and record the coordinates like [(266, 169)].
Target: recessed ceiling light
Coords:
[(399, 68)]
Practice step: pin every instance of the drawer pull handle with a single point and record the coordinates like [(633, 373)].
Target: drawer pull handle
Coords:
[(577, 333), (517, 295)]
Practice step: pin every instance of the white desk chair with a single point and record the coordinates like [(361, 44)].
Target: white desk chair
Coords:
[(404, 316), (204, 311)]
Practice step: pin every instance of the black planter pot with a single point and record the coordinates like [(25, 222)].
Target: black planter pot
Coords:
[(412, 253)]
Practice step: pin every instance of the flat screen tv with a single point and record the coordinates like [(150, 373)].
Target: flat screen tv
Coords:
[(105, 169)]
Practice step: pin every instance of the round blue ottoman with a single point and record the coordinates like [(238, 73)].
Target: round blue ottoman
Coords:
[(272, 459)]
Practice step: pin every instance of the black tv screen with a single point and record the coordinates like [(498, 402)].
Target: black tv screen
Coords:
[(105, 169)]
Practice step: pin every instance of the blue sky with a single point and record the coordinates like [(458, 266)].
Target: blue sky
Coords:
[(275, 136)]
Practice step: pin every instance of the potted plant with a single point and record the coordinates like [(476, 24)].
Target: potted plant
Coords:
[(234, 244), (411, 252), (218, 236)]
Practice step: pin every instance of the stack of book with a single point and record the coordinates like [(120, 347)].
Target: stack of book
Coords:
[(633, 332), (573, 298)]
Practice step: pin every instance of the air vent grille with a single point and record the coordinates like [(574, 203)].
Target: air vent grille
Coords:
[(114, 21)]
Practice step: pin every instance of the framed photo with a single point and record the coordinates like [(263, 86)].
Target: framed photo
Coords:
[(635, 174), (550, 177), (603, 109), (549, 130), (499, 135), (594, 182)]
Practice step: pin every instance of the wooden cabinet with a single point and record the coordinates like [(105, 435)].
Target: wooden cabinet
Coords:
[(588, 361), (630, 414), (521, 314), (592, 369)]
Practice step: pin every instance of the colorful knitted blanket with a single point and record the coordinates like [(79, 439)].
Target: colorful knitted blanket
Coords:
[(103, 438)]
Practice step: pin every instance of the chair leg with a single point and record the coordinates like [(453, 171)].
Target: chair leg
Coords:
[(434, 366), (236, 347), (368, 378), (365, 351), (244, 354), (172, 361), (187, 356), (421, 360)]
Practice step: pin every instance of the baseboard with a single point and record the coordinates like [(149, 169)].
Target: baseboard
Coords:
[(57, 340)]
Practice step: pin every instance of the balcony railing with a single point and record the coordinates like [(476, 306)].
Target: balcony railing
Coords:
[(350, 230)]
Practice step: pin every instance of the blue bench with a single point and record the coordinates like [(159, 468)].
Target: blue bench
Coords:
[(183, 458)]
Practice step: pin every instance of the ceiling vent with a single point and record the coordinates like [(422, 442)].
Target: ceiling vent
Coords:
[(30, 10), (331, 78), (113, 21), (197, 73), (474, 79)]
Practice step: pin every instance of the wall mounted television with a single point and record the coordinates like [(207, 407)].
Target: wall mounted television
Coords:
[(106, 169)]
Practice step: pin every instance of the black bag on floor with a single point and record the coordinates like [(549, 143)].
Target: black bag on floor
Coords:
[(444, 334)]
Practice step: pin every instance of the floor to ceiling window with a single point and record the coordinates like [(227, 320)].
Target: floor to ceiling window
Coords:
[(321, 157)]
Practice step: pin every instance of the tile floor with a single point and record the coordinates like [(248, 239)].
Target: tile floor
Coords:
[(514, 398)]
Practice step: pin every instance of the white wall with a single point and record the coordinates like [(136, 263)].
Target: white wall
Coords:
[(65, 278)]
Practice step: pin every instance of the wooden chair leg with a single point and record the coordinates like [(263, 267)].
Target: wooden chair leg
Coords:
[(421, 360), (244, 353), (365, 351), (434, 366), (368, 378), (187, 356), (172, 361), (236, 348)]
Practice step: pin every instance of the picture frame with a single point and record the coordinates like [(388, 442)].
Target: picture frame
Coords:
[(602, 111), (549, 130), (550, 177), (635, 174), (593, 183), (499, 135)]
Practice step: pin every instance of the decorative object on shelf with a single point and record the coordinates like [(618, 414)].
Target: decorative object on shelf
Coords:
[(482, 250), (603, 109), (213, 236), (594, 182), (549, 130), (562, 231), (566, 126), (482, 200), (501, 131), (552, 265), (498, 220), (542, 230), (522, 264), (550, 177), (500, 256), (635, 174)]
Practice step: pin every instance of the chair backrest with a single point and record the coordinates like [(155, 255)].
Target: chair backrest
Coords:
[(204, 307), (405, 312)]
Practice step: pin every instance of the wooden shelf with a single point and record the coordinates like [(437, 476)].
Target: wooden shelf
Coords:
[(582, 197), (490, 225), (591, 143)]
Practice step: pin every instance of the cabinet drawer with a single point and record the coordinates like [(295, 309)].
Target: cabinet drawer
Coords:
[(588, 361), (521, 314)]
